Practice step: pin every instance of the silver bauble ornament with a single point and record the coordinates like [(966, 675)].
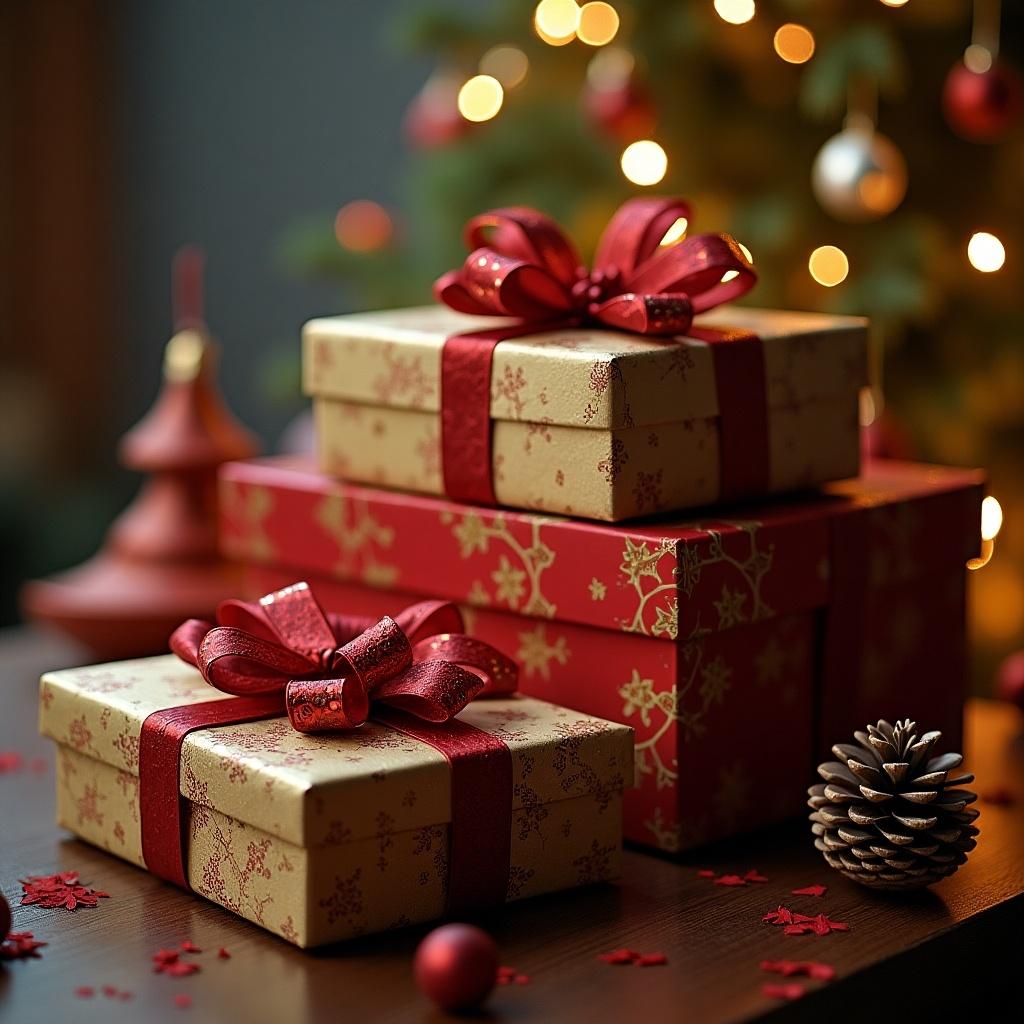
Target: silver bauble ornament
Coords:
[(859, 175)]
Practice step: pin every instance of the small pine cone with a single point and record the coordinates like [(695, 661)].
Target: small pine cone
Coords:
[(888, 815)]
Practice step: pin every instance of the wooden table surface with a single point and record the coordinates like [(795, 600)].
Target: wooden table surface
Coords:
[(957, 945)]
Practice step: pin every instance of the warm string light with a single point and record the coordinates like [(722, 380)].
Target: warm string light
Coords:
[(985, 252), (598, 23), (794, 43), (556, 21), (828, 265), (735, 12), (508, 64), (895, 3), (644, 162), (480, 98), (978, 58)]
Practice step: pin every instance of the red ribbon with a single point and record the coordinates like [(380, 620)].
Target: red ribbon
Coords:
[(522, 265), (415, 672)]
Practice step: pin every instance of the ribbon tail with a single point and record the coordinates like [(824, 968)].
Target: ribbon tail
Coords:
[(187, 638)]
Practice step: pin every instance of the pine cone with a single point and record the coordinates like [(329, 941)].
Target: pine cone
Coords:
[(887, 815)]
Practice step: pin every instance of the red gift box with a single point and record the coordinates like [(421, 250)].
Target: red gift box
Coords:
[(739, 645)]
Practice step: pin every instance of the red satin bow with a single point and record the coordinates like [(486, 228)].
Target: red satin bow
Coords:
[(330, 668), (523, 265)]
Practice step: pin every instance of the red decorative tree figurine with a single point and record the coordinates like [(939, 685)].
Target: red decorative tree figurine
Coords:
[(159, 563)]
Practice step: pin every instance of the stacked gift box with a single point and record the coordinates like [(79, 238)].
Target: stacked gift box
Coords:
[(662, 522)]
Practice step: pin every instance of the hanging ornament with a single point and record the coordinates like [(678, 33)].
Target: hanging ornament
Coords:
[(859, 174), (432, 119), (615, 99), (982, 97)]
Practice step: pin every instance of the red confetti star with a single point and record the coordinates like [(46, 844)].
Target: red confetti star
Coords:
[(781, 916), (807, 968), (85, 992), (10, 761), (811, 890), (223, 954), (790, 991), (705, 873), (754, 876), (179, 969), (651, 960), (20, 946), (190, 947), (730, 880), (183, 1002), (63, 890), (618, 956), (110, 991)]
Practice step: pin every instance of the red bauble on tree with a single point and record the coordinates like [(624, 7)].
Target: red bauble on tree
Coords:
[(456, 966), (982, 106), (1010, 680)]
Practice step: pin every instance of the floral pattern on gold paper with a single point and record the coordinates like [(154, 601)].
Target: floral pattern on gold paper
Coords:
[(521, 565), (360, 538)]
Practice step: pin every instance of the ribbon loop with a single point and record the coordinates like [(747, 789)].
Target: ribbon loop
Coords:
[(522, 265), (329, 671)]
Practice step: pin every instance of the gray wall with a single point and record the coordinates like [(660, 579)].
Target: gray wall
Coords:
[(236, 118)]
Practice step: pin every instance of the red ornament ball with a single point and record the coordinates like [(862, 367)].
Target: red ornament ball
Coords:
[(1010, 680), (982, 106), (456, 966), (5, 918)]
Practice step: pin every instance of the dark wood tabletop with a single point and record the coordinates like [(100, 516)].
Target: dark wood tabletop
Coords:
[(957, 946)]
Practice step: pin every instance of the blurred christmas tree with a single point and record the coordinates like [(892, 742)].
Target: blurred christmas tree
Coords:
[(768, 116)]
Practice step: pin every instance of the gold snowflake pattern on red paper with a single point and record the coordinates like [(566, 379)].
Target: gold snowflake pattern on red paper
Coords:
[(247, 508), (360, 539), (536, 652)]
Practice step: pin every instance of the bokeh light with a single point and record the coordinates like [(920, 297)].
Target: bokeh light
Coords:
[(735, 12), (895, 3), (556, 21), (794, 43), (508, 64), (676, 232), (610, 68), (644, 162), (978, 59), (598, 23), (985, 252), (991, 518), (828, 265), (363, 226), (730, 274), (480, 98)]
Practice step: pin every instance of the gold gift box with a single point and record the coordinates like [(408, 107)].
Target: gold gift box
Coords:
[(319, 838), (586, 422)]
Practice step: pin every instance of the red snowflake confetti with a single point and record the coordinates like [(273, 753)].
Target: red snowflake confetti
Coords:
[(10, 761), (20, 946), (705, 874), (183, 1002), (790, 991), (730, 880), (190, 947), (753, 875), (63, 890), (510, 976), (223, 954), (169, 962), (805, 968), (651, 960), (85, 992), (110, 991), (811, 890), (631, 956), (803, 924)]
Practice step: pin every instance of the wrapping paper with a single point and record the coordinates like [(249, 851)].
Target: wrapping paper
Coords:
[(586, 422), (318, 838), (706, 636)]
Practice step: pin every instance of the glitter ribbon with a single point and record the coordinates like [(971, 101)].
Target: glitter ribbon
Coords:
[(329, 673), (522, 265)]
